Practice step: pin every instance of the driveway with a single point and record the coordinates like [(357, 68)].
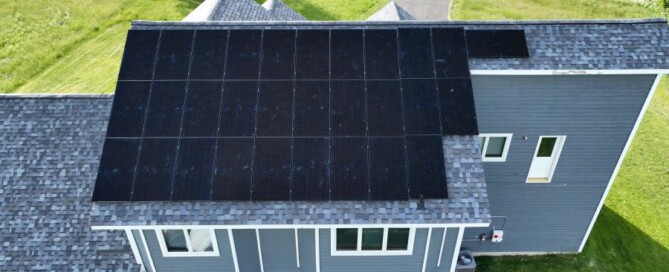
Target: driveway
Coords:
[(426, 9)]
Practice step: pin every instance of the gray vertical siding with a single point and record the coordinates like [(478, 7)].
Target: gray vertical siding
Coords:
[(597, 113), (223, 262), (142, 251), (448, 251), (247, 250), (307, 245), (372, 263), (278, 249)]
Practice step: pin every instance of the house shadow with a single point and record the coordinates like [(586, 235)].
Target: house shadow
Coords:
[(614, 245)]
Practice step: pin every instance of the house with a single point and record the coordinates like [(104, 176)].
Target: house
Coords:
[(328, 146)]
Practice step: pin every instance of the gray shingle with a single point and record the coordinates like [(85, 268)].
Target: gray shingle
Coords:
[(249, 10), (49, 150)]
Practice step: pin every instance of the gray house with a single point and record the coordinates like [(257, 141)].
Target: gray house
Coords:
[(330, 146)]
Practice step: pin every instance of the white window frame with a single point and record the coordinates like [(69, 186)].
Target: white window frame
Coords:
[(507, 144), (190, 253), (382, 252), (561, 139)]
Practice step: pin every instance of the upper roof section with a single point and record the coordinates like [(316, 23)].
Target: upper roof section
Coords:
[(552, 45), (243, 10)]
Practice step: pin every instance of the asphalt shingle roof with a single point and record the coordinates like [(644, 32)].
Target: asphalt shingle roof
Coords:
[(249, 10)]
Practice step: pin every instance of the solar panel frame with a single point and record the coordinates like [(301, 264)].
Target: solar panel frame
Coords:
[(387, 169), (450, 52), (384, 108), (415, 53), (421, 106), (312, 108), (458, 110), (238, 108), (348, 169), (510, 43), (165, 109), (347, 108), (426, 167), (310, 169), (312, 59)]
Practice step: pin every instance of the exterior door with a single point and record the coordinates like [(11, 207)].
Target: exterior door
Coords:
[(545, 158)]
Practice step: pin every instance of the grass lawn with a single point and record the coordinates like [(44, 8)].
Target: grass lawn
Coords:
[(631, 233), (71, 46)]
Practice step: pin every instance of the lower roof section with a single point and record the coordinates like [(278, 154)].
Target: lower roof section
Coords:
[(467, 203)]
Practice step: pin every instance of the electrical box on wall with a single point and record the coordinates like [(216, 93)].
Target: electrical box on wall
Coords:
[(497, 236)]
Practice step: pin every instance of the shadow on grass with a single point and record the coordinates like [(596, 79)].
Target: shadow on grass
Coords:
[(614, 245), (186, 6)]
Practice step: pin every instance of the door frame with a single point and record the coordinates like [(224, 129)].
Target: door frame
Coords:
[(558, 151)]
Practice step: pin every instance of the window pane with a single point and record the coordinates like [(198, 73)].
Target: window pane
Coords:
[(372, 239), (175, 240), (398, 239), (347, 239), (495, 147), (546, 147), (200, 240), (482, 142)]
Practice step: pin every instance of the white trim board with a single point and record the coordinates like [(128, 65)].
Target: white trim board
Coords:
[(456, 249), (146, 249), (135, 249), (186, 226), (656, 83), (569, 72), (427, 248)]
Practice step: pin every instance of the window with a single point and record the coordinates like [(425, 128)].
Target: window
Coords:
[(372, 241), (187, 242), (495, 147), (545, 159)]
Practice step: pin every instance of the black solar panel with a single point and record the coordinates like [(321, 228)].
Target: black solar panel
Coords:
[(139, 55), (312, 108), (271, 169), (209, 54), (174, 54), (195, 168), (387, 167), (416, 53), (244, 62), (203, 102), (347, 108), (497, 44), (165, 109), (155, 170), (314, 115), (348, 169), (313, 54), (381, 54), (278, 51), (310, 172), (129, 109), (275, 108), (346, 54), (233, 170)]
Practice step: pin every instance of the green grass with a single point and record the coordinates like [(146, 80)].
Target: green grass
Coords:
[(552, 9), (631, 232), (71, 45), (75, 46)]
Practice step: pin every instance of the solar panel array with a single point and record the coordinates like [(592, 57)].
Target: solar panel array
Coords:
[(292, 114)]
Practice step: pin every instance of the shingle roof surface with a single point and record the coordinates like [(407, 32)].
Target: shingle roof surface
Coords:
[(249, 10), (553, 45), (49, 155), (390, 12)]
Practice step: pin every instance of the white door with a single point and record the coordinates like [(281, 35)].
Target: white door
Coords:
[(545, 158)]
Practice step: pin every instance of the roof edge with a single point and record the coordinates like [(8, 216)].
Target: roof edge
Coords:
[(142, 23)]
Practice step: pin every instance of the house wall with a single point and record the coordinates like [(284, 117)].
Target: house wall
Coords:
[(222, 263), (142, 251), (596, 113)]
